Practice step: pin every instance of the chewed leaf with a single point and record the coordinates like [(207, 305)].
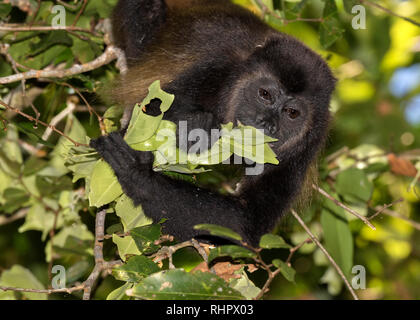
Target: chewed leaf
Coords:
[(155, 92), (142, 126)]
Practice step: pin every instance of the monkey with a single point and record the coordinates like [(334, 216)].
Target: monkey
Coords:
[(223, 64)]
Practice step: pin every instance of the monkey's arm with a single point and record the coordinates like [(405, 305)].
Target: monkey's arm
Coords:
[(183, 204)]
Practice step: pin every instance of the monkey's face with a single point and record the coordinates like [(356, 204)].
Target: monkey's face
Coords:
[(286, 94), (267, 105)]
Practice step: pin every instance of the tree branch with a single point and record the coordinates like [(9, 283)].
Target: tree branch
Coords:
[(111, 53), (314, 239), (341, 205)]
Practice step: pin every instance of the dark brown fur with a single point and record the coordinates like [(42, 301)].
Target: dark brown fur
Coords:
[(216, 57)]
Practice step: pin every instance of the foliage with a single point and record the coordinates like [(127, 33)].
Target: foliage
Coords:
[(52, 185)]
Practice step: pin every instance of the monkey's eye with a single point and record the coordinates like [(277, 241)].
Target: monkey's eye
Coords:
[(291, 113), (264, 94)]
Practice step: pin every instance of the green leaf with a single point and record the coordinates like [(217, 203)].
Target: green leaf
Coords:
[(126, 246), (71, 241), (74, 130), (338, 240), (48, 40), (245, 286), (39, 219), (142, 126), (180, 285), (104, 186), (77, 271), (14, 199), (330, 32), (137, 268), (285, 270), (145, 237), (5, 9), (8, 166), (33, 165), (119, 293), (329, 28), (131, 217), (219, 231), (230, 251), (20, 277), (354, 183), (271, 241)]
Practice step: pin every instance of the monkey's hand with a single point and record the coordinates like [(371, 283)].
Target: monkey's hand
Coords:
[(120, 156)]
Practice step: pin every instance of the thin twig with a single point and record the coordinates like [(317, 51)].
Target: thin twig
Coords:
[(387, 206), (79, 13), (111, 53), (314, 239), (378, 6), (47, 291), (341, 205), (397, 215), (21, 28), (296, 248), (18, 215), (71, 106), (97, 253), (166, 252), (30, 118), (89, 107)]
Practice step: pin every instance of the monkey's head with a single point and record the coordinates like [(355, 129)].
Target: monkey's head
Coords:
[(284, 88)]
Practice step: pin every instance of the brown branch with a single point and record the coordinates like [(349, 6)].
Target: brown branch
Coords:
[(79, 13), (21, 28), (58, 118), (89, 107), (265, 288), (47, 291), (314, 239), (67, 5), (30, 118), (296, 248), (100, 264), (97, 253), (397, 215), (387, 206), (166, 252), (16, 216), (341, 205), (111, 53)]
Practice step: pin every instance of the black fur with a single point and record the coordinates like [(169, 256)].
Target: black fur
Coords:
[(230, 55)]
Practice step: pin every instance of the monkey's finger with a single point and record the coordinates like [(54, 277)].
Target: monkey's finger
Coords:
[(115, 160)]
